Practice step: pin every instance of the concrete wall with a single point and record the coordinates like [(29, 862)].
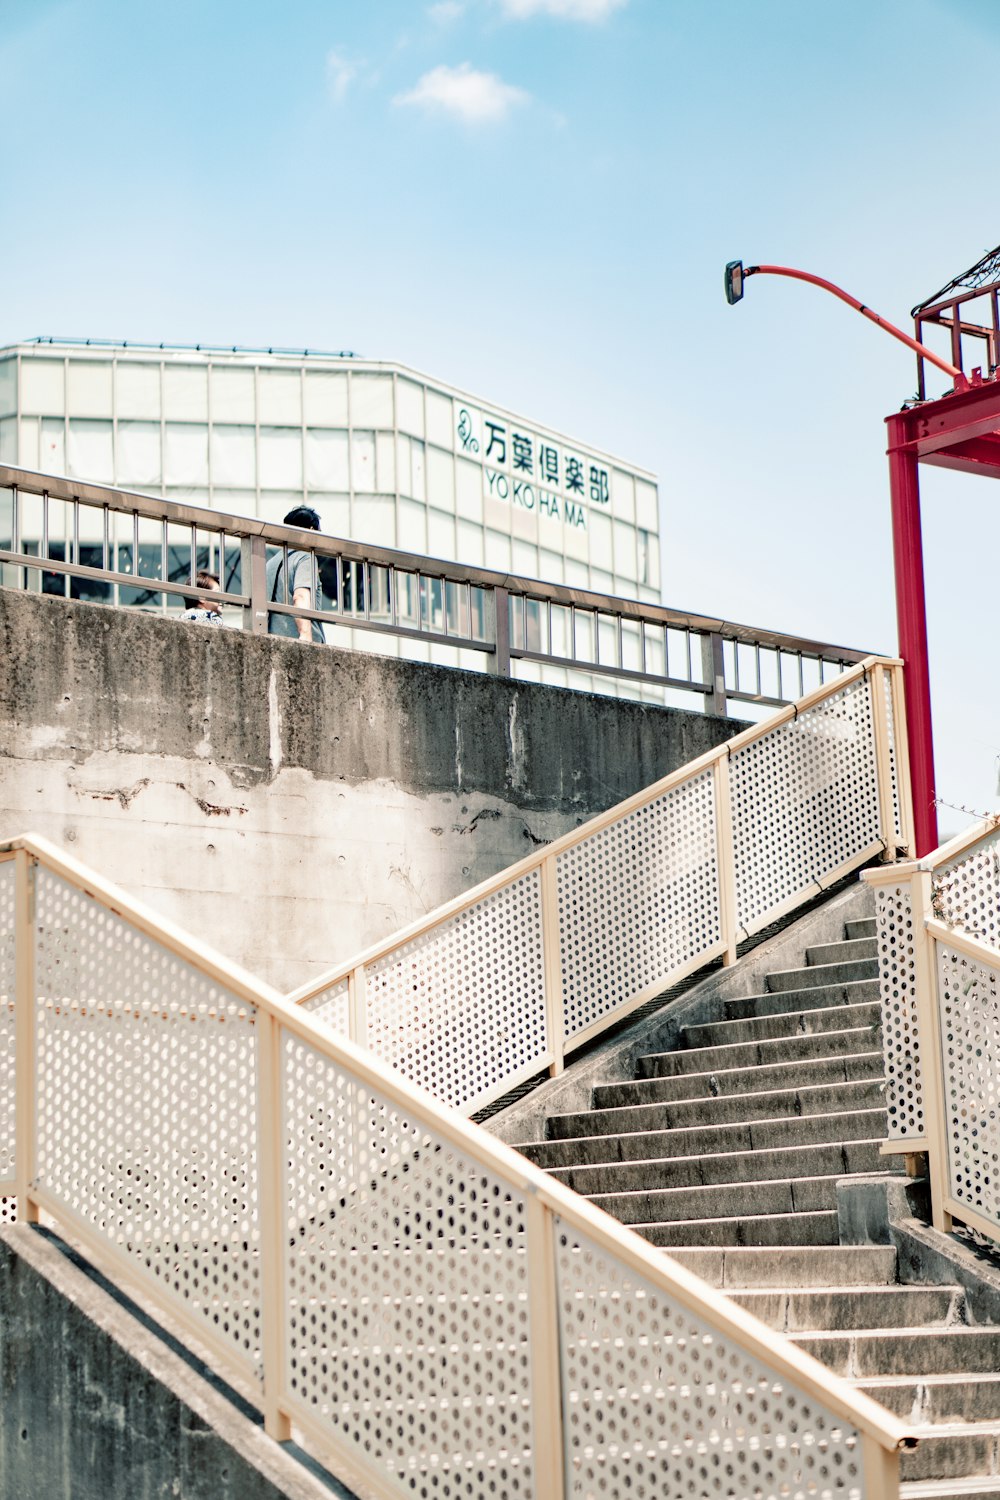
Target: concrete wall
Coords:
[(97, 1406), (291, 804)]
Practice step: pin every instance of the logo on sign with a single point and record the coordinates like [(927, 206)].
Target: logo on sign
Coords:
[(466, 436)]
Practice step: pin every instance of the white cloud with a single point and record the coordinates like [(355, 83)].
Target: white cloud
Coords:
[(466, 93), (446, 11), (340, 72), (563, 10)]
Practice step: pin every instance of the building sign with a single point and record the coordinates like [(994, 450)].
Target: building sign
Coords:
[(522, 468)]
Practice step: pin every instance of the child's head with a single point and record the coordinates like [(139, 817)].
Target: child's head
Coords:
[(203, 580)]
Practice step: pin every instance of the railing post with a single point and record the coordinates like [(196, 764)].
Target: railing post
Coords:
[(883, 762), (270, 1151), (501, 632), (901, 745), (548, 1442), (24, 1035), (726, 856), (713, 671), (925, 977), (253, 564), (554, 1018), (881, 1469), (357, 1009)]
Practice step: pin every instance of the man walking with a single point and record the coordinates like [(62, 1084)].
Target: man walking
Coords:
[(297, 588)]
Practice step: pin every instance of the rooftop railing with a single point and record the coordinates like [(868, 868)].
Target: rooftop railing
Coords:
[(968, 308), (109, 545), (426, 1310)]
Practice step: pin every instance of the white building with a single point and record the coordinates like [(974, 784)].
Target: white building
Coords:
[(385, 455)]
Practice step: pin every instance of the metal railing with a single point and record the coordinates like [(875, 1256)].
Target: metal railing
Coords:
[(110, 545), (938, 926), (507, 979), (967, 308), (418, 1300)]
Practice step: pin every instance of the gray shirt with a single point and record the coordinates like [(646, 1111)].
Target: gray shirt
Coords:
[(300, 576)]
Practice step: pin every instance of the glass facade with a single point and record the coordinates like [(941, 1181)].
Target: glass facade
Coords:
[(384, 455)]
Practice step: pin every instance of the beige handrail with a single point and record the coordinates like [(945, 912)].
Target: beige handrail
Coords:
[(274, 1027), (979, 834), (349, 994)]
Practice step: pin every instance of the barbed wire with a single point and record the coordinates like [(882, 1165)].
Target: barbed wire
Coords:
[(984, 271), (970, 812)]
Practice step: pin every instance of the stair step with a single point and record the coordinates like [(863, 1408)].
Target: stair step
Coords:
[(974, 1488), (726, 1153), (849, 950), (788, 1266), (839, 1158), (938, 1398), (728, 1082), (962, 1450), (750, 1229), (642, 1144), (771, 1104), (797, 1023), (812, 997), (823, 974), (836, 1308), (906, 1351), (758, 1054), (782, 1195)]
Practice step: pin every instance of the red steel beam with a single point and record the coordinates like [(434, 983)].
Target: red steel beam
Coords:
[(977, 456), (911, 624), (952, 420), (961, 431)]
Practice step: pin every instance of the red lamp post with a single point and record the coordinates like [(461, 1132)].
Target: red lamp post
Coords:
[(960, 430)]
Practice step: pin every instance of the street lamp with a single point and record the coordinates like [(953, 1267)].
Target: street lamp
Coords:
[(907, 549), (737, 273)]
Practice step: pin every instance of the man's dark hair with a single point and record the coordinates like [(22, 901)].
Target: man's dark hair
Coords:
[(304, 516)]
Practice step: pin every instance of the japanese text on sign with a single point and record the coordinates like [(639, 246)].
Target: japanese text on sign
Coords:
[(529, 470)]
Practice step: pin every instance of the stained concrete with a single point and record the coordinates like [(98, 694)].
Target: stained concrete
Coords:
[(96, 1405), (291, 804)]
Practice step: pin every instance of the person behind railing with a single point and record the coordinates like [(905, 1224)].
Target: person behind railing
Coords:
[(297, 589), (201, 610)]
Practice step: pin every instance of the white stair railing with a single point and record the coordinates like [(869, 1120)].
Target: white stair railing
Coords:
[(505, 981), (938, 929), (431, 1312)]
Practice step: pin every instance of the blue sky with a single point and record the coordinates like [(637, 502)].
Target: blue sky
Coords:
[(534, 199)]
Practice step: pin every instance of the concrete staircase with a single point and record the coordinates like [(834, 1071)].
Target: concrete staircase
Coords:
[(727, 1152)]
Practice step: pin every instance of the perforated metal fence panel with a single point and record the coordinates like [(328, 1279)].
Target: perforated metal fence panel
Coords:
[(332, 1006), (966, 891), (969, 1000), (406, 1287), (901, 1038), (462, 1008), (658, 1403), (145, 1111), (637, 900), (805, 801)]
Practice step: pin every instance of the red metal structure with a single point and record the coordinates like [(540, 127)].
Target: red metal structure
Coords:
[(958, 429)]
